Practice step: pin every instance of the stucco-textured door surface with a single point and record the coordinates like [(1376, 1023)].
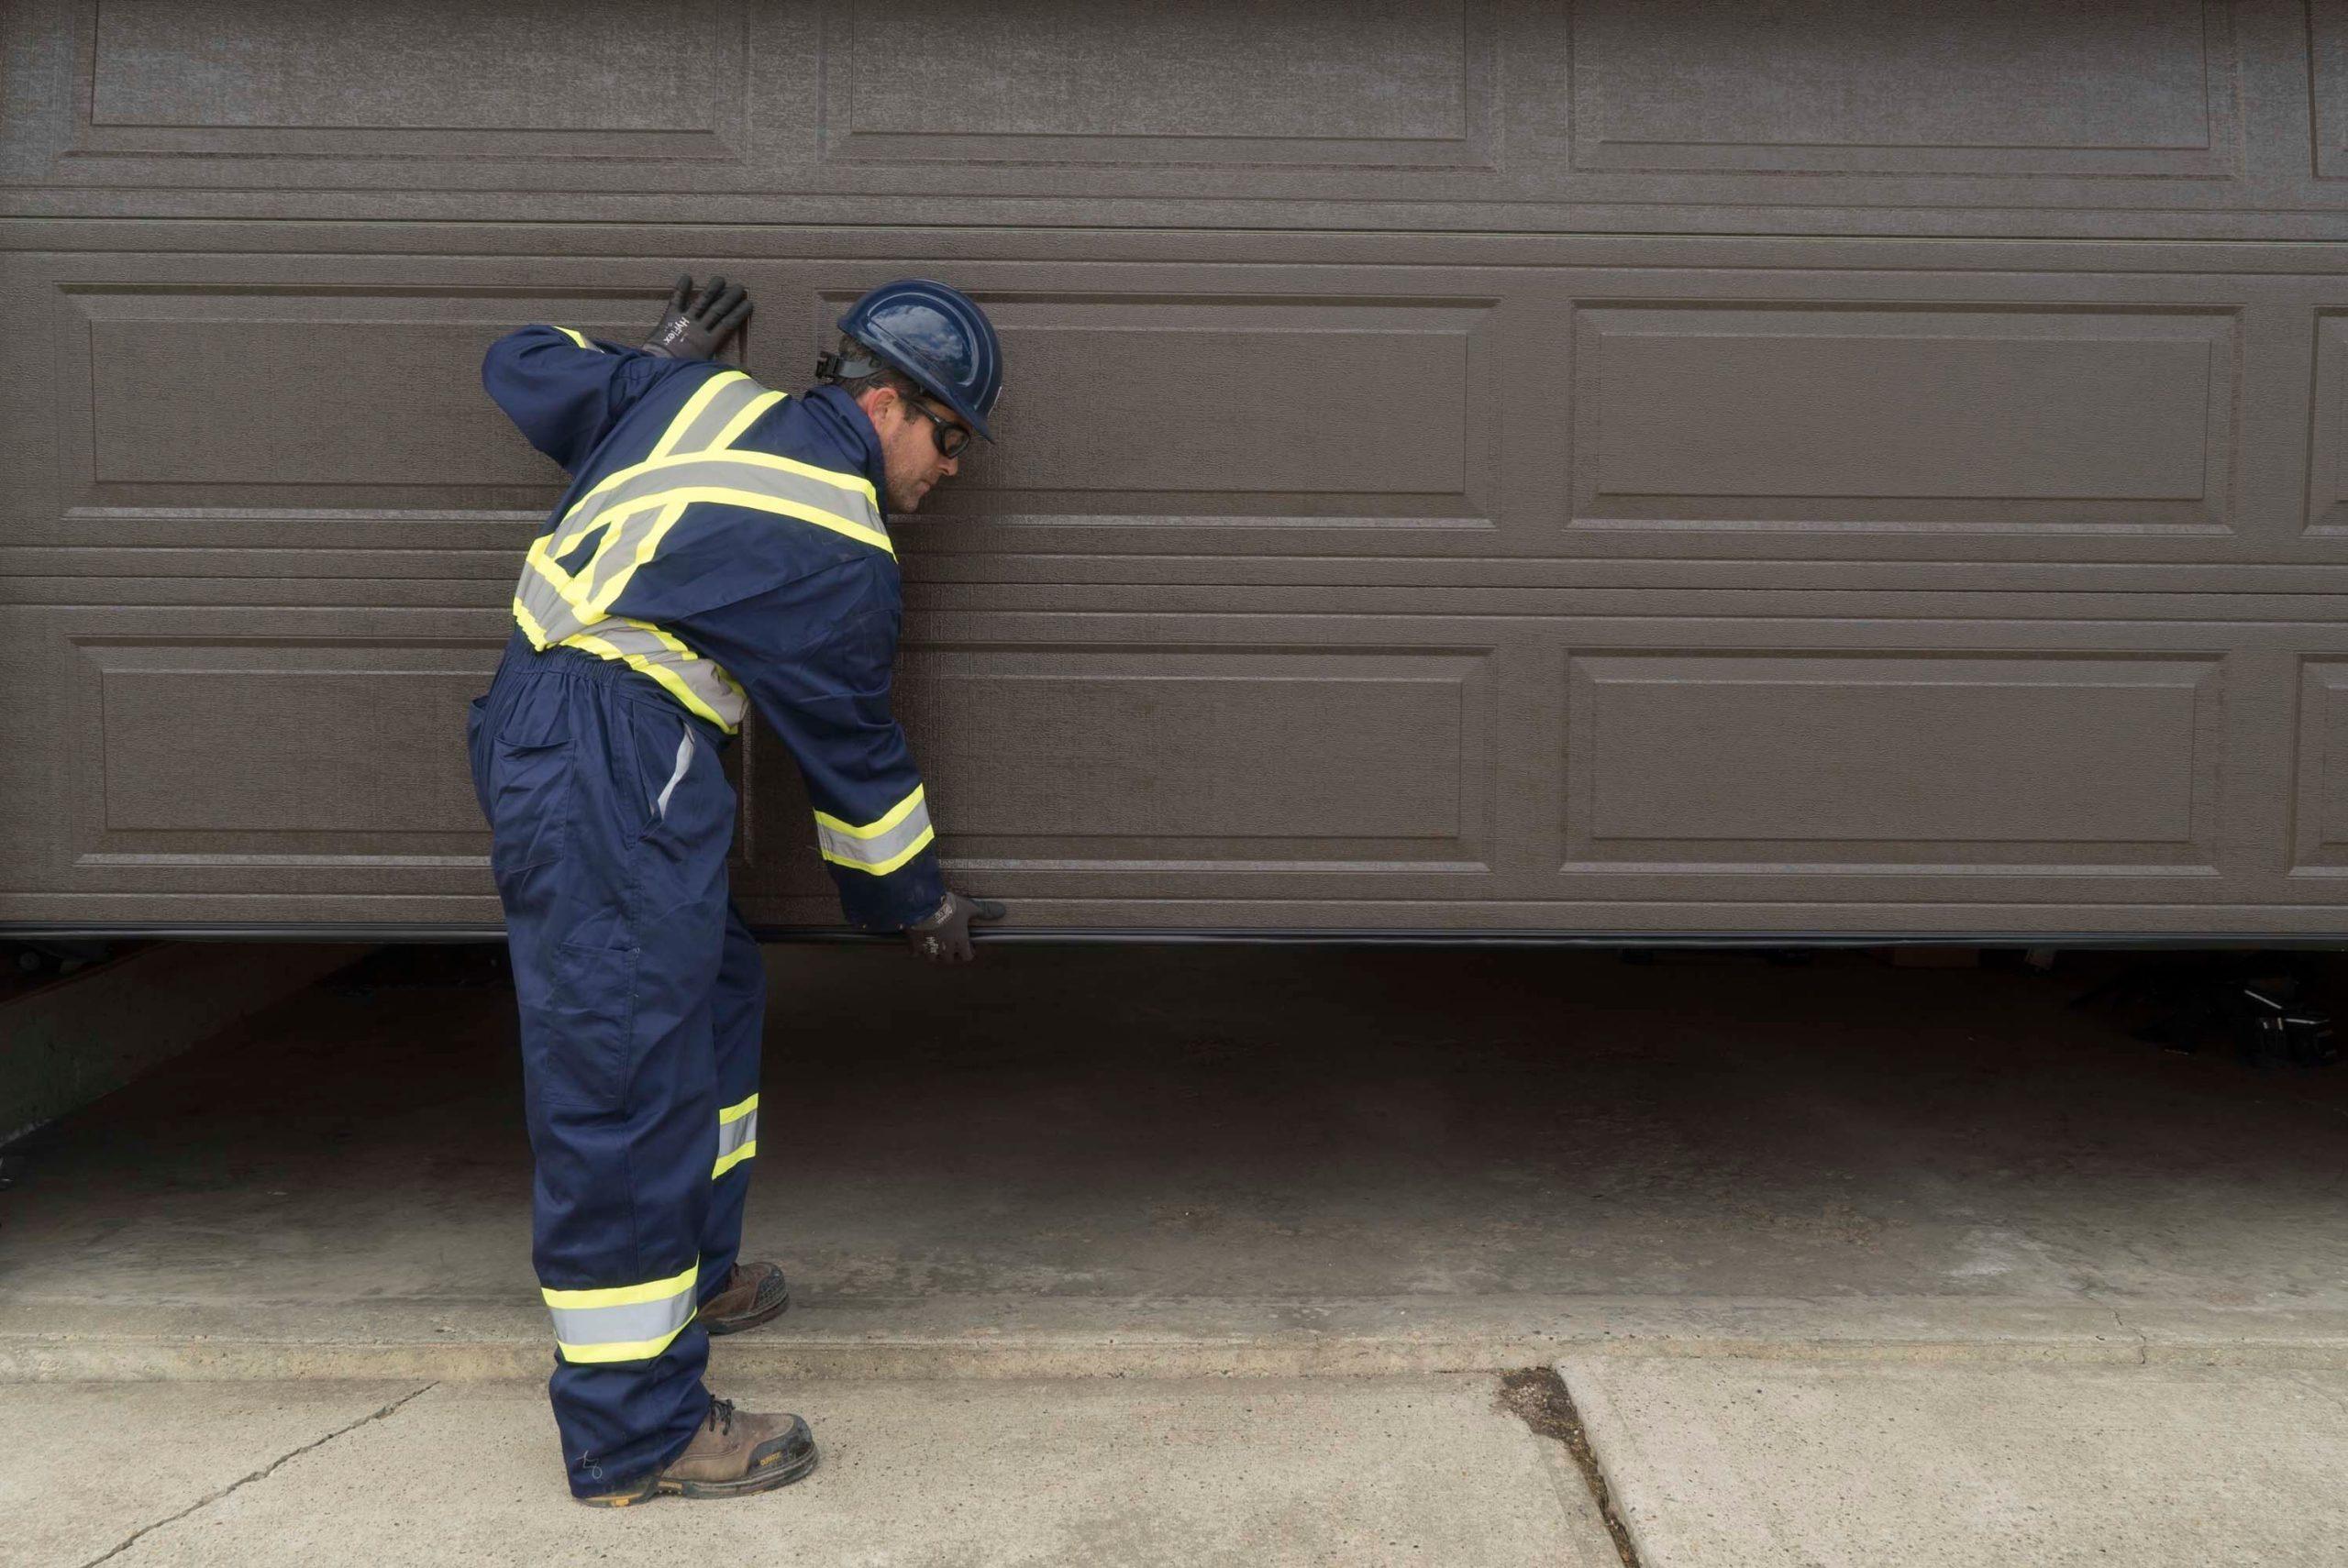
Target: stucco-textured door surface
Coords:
[(1640, 465)]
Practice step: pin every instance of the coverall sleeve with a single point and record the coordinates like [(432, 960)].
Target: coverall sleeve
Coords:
[(829, 700), (565, 390)]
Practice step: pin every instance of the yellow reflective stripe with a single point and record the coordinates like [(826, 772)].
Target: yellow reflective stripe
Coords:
[(665, 674), (691, 411), (881, 869), (625, 1295), (880, 825), (855, 484), (727, 1162), (575, 338), (755, 501), (603, 597), (541, 557), (744, 419), (633, 1350), (586, 578), (530, 625), (736, 1112)]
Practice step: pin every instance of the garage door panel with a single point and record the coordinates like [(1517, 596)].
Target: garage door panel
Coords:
[(246, 749), (2101, 773), (1856, 87), (248, 395), (1122, 757), (1833, 764), (270, 78), (1936, 762), (1830, 115), (2320, 786), (1077, 82), (1438, 411), (1258, 412), (434, 94), (1838, 416), (2327, 475)]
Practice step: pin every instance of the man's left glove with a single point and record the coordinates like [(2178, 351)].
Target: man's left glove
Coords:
[(944, 936), (697, 329)]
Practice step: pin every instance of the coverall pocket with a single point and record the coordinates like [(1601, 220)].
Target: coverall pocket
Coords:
[(668, 758), (529, 793), (586, 1055)]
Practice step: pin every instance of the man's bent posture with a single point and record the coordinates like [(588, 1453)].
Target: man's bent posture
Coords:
[(721, 546)]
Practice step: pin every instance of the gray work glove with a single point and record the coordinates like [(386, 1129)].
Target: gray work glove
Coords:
[(697, 329), (944, 936)]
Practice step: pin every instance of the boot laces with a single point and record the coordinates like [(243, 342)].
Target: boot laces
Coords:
[(721, 1417)]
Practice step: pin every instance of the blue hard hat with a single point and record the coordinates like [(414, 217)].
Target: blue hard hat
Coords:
[(935, 334)]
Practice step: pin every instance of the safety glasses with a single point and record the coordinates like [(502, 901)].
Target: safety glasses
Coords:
[(953, 438)]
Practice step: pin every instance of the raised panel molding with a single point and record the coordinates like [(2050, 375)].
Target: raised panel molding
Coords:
[(2320, 785), (2328, 85), (358, 399), (529, 78), (1235, 409), (260, 751), (2327, 479), (1957, 419), (1767, 763), (1070, 757), (245, 755), (1385, 85), (1906, 87)]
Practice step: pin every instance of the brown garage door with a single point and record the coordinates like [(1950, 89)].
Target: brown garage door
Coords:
[(1666, 465)]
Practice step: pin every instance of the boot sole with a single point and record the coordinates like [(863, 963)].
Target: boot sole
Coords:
[(776, 1472), (719, 1327)]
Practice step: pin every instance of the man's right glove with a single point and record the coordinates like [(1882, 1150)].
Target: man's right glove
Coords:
[(697, 329), (944, 936)]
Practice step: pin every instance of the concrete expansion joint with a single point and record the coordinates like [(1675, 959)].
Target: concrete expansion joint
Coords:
[(263, 1474), (1538, 1396)]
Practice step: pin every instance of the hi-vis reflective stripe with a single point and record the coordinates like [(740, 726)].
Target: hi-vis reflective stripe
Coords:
[(578, 339), (703, 687), (636, 508), (626, 1322), (737, 1135), (880, 846)]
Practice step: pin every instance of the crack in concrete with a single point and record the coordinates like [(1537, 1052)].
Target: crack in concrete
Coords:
[(1538, 1396), (2143, 1341), (263, 1474)]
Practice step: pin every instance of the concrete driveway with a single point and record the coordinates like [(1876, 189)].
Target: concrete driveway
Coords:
[(1242, 1256)]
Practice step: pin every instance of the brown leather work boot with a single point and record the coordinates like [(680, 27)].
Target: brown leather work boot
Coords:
[(753, 1293), (733, 1455)]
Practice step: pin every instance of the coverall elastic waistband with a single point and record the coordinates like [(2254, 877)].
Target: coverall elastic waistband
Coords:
[(576, 664)]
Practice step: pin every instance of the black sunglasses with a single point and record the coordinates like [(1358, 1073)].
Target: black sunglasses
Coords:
[(952, 436)]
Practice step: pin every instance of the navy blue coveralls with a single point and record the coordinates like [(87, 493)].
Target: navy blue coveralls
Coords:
[(721, 546)]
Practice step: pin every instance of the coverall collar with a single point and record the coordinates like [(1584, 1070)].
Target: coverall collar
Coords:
[(836, 413)]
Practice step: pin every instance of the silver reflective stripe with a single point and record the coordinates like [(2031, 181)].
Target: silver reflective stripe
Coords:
[(631, 510), (638, 494), (684, 760), (700, 685), (737, 1140), (624, 1323), (880, 852), (734, 392)]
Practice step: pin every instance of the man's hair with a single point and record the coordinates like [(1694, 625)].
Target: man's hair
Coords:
[(888, 376)]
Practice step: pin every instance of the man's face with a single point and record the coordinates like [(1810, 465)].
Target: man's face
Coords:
[(909, 454)]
